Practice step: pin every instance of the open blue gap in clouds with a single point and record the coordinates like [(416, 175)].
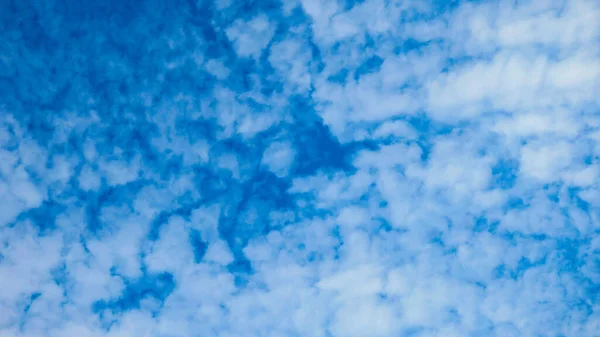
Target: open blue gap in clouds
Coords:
[(299, 168)]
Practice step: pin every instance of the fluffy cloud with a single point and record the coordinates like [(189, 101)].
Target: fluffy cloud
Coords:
[(286, 168)]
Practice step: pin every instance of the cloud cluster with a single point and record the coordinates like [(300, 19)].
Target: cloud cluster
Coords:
[(300, 168)]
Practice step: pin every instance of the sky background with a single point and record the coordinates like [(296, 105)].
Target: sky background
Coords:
[(299, 168)]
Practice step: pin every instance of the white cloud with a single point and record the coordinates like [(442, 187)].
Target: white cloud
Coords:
[(219, 253), (172, 251), (250, 37), (88, 179), (291, 58), (396, 129), (230, 163), (216, 68), (279, 157), (545, 162)]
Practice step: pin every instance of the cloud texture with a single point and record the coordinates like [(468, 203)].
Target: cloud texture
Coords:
[(300, 168)]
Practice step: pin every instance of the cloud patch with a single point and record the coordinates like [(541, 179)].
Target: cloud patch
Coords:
[(286, 168)]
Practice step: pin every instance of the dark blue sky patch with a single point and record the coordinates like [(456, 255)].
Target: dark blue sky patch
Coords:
[(121, 13), (271, 81), (8, 92), (349, 4), (133, 138), (505, 173), (427, 129), (241, 268), (158, 286), (218, 45), (456, 63), (443, 6), (317, 148), (523, 265), (240, 79), (197, 129), (187, 79), (553, 191), (246, 152), (60, 275), (354, 147), (516, 203), (187, 203), (500, 271), (567, 253), (575, 199), (247, 213), (590, 159), (384, 226), (157, 223), (592, 291), (481, 224), (199, 247), (38, 125), (172, 166), (211, 185), (336, 234), (412, 331), (27, 21), (246, 10), (371, 65), (245, 216), (264, 185), (72, 147), (409, 45), (107, 196), (28, 303), (43, 218), (437, 238), (317, 64), (34, 296), (341, 77)]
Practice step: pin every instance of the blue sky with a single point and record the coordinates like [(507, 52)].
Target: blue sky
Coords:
[(300, 168)]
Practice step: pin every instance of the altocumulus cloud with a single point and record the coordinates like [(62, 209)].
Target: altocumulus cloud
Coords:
[(299, 168)]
